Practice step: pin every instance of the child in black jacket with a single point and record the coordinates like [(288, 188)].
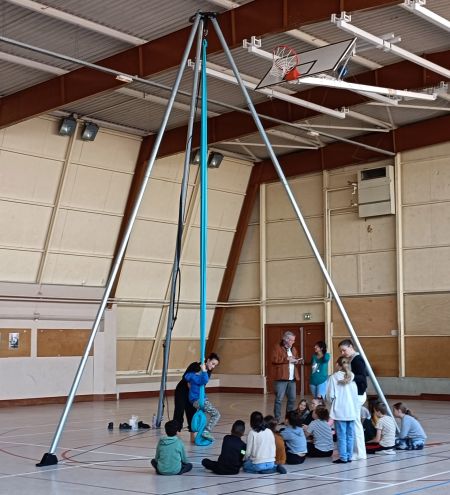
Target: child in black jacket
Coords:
[(232, 453)]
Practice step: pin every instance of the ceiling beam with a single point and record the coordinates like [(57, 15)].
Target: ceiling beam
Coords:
[(335, 155), (165, 53), (233, 125)]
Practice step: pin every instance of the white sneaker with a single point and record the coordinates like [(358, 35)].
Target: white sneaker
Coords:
[(386, 452)]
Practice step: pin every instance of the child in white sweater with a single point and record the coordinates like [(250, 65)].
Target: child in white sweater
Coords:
[(260, 453), (345, 408)]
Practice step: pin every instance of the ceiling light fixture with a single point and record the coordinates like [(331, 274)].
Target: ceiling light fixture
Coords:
[(67, 126), (90, 131)]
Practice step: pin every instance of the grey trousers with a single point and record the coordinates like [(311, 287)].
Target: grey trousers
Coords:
[(282, 388), (211, 411)]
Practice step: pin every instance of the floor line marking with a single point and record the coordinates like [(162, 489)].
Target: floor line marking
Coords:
[(335, 478), (399, 483), (424, 488), (74, 449)]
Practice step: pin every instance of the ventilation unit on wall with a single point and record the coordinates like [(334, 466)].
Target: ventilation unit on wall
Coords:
[(376, 194)]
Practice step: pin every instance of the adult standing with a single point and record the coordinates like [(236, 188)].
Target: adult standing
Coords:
[(358, 367), (319, 370), (284, 361), (182, 404)]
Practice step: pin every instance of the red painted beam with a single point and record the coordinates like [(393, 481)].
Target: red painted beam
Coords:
[(409, 137), (259, 18)]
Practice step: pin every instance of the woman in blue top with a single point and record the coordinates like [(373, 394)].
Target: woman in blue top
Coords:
[(319, 370)]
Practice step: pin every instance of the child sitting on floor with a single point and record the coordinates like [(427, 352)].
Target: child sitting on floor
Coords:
[(411, 436), (260, 454), (170, 454), (384, 441), (280, 449), (294, 439), (232, 453), (303, 411), (321, 433)]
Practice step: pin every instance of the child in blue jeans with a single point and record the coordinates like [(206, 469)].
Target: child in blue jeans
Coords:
[(411, 436), (260, 454), (343, 395)]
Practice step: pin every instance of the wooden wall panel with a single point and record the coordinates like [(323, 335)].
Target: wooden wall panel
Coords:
[(286, 239), (240, 356), (419, 361), (369, 315), (23, 348), (182, 353), (241, 322), (427, 314), (133, 355), (382, 354), (53, 342)]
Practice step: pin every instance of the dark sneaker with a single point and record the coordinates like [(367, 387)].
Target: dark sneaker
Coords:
[(281, 469), (110, 426), (339, 461)]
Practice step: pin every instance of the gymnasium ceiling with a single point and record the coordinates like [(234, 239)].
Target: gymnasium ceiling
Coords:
[(148, 37)]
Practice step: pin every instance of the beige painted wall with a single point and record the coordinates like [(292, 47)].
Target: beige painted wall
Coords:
[(62, 202)]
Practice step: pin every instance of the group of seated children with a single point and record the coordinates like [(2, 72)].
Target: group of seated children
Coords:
[(267, 449), (380, 429)]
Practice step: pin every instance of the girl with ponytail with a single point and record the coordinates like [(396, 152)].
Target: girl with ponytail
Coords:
[(345, 409), (411, 436)]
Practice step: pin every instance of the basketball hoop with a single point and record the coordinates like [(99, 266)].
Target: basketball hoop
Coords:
[(285, 61)]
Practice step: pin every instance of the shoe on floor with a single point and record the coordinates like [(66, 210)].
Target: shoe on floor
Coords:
[(339, 461), (124, 426), (281, 469), (387, 452), (143, 425), (207, 434), (110, 426)]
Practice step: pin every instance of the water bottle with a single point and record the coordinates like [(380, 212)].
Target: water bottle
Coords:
[(154, 421), (134, 423)]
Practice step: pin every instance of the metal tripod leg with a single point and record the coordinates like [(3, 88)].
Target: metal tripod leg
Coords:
[(294, 204), (181, 219), (50, 458)]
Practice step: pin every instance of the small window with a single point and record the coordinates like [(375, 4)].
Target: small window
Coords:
[(373, 173)]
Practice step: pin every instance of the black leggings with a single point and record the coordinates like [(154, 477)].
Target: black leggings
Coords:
[(217, 468), (314, 452), (182, 405), (185, 467), (294, 458)]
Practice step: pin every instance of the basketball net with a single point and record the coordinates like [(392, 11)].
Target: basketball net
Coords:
[(285, 61)]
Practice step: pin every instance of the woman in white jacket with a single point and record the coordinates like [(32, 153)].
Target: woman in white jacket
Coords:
[(343, 395)]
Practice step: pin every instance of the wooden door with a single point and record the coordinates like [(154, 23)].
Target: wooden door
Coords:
[(306, 335)]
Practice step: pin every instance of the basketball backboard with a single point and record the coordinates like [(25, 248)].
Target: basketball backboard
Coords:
[(324, 60)]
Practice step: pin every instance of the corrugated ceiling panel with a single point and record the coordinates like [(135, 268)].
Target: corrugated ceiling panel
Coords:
[(14, 78), (147, 19), (52, 34)]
